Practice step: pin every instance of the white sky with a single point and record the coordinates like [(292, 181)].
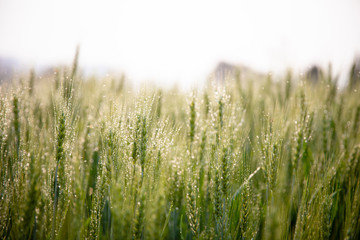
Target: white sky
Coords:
[(182, 41)]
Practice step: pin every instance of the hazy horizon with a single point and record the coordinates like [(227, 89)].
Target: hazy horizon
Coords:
[(181, 42)]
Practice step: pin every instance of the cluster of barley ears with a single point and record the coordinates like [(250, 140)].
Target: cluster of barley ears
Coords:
[(243, 159)]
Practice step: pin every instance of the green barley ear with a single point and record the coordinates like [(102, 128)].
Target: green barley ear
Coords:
[(111, 162), (220, 122), (95, 215), (225, 172), (69, 82), (332, 83), (245, 210), (220, 207), (301, 215), (202, 162), (85, 148), (325, 216), (192, 121), (106, 218), (325, 130), (135, 148), (217, 198), (177, 190), (333, 133), (31, 82), (207, 104), (303, 106), (138, 231), (59, 178), (353, 163), (159, 105), (192, 210), (221, 112), (354, 78), (32, 200), (143, 146), (91, 186), (75, 63), (136, 141), (60, 153), (298, 147), (56, 198), (16, 123)]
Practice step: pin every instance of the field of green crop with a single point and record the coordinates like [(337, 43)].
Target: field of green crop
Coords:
[(244, 159)]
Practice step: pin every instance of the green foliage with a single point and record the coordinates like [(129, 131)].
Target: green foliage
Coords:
[(242, 159)]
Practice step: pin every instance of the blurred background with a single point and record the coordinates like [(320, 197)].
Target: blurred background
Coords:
[(179, 42)]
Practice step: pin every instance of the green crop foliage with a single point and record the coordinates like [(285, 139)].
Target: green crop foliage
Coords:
[(257, 158)]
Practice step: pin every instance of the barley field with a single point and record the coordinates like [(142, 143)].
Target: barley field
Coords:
[(239, 159)]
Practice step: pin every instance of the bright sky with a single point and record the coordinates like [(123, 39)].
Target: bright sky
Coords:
[(182, 41)]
